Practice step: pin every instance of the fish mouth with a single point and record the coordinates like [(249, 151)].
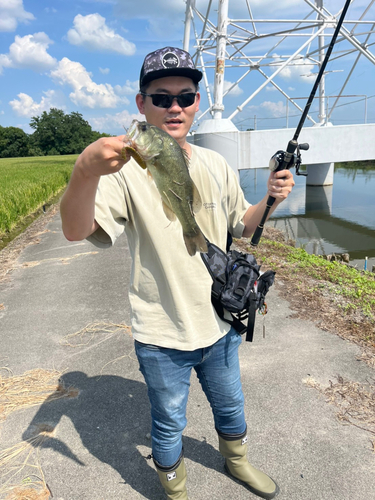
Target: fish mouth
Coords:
[(133, 130)]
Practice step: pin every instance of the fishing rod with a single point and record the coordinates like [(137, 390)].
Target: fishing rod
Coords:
[(292, 157)]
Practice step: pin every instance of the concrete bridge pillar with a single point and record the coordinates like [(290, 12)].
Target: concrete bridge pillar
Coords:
[(318, 199), (320, 174), (220, 136)]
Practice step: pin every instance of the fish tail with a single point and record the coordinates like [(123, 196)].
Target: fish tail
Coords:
[(195, 242)]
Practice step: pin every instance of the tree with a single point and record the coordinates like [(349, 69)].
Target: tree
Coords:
[(14, 142), (59, 133), (97, 135)]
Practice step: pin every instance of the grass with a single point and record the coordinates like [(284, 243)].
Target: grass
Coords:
[(30, 389), (337, 297), (21, 476), (29, 183)]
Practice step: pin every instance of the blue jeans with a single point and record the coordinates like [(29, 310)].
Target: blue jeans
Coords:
[(167, 375)]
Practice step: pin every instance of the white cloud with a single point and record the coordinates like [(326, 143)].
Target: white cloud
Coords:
[(128, 88), (29, 52), (118, 122), (277, 109), (92, 33), (12, 12), (234, 92), (86, 92), (271, 88), (104, 71), (298, 69), (5, 62), (26, 106)]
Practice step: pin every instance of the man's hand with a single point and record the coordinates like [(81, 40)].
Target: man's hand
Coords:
[(77, 207), (102, 157), (280, 184)]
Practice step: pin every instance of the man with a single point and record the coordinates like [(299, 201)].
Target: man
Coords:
[(174, 325)]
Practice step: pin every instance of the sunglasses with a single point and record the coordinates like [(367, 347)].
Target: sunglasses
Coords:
[(166, 100)]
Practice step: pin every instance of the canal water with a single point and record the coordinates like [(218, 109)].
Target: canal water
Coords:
[(325, 219)]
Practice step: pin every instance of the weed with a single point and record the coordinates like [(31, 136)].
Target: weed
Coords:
[(336, 296)]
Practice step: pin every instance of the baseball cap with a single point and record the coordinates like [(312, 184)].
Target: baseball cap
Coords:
[(168, 61)]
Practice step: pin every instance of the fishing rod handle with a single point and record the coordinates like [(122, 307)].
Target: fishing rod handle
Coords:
[(259, 230)]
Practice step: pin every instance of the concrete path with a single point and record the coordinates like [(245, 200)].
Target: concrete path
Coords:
[(102, 436)]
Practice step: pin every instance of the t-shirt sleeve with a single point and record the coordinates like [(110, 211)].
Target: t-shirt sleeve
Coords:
[(237, 205), (111, 211)]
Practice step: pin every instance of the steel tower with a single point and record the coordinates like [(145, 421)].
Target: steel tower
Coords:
[(271, 46)]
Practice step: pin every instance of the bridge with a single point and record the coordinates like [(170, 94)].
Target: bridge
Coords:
[(253, 149)]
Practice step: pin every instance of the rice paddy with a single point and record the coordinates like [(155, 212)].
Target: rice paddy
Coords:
[(29, 183)]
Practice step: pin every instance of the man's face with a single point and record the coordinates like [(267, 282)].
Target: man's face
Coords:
[(174, 120)]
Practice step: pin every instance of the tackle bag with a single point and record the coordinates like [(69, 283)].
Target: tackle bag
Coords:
[(238, 286)]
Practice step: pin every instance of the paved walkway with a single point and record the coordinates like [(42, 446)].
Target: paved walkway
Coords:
[(101, 438)]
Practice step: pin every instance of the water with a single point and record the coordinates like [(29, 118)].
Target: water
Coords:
[(325, 219)]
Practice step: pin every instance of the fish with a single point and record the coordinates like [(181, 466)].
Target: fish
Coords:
[(168, 165)]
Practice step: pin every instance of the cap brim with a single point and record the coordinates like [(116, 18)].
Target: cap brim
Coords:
[(194, 74)]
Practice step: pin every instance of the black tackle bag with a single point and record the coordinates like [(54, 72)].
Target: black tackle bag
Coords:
[(238, 286)]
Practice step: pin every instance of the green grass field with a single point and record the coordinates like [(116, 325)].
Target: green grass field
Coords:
[(26, 184)]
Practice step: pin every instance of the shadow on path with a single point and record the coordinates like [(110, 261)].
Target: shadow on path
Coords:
[(112, 417)]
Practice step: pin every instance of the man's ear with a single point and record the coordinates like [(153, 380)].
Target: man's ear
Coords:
[(197, 101), (140, 103)]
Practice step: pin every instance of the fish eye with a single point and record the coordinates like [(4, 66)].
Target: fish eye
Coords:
[(143, 127)]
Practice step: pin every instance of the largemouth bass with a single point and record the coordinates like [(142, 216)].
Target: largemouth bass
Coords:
[(167, 163)]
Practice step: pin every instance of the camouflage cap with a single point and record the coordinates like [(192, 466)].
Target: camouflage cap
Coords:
[(169, 61)]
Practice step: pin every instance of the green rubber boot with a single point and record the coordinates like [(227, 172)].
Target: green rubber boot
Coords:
[(234, 450), (173, 479)]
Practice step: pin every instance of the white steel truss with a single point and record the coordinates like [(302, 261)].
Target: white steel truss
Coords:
[(270, 46)]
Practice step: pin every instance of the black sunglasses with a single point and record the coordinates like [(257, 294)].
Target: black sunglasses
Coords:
[(166, 100)]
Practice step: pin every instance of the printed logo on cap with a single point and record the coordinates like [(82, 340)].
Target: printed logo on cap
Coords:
[(170, 60)]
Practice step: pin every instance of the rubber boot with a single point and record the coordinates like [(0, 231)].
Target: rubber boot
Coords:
[(173, 479), (234, 450)]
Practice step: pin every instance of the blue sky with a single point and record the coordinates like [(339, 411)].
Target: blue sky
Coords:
[(85, 56)]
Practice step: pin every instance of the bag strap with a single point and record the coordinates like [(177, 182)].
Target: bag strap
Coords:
[(237, 322)]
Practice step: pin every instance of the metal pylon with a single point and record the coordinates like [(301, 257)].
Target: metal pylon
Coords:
[(270, 46)]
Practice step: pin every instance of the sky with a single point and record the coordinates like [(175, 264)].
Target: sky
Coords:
[(86, 55)]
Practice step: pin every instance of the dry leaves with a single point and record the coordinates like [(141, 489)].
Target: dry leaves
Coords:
[(355, 402)]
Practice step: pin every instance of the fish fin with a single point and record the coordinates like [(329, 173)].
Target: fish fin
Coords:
[(195, 243), (196, 204), (169, 212), (128, 152)]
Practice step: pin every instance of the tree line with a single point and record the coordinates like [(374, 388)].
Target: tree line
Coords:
[(55, 133)]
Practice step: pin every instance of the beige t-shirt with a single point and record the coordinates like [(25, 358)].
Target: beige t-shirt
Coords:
[(170, 291)]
